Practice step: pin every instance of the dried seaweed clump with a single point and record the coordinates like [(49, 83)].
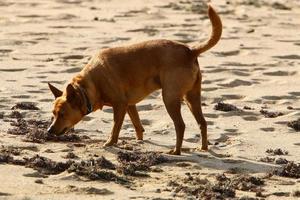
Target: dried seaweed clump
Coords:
[(132, 163)]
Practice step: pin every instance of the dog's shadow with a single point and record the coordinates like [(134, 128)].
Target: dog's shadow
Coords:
[(210, 160)]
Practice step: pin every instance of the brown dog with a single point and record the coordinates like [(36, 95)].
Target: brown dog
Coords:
[(121, 77)]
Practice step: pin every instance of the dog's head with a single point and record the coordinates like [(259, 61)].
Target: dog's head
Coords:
[(67, 109)]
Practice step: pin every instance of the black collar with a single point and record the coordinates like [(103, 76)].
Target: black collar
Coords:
[(89, 106)]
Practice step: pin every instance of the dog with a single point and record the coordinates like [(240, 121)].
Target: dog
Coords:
[(121, 77)]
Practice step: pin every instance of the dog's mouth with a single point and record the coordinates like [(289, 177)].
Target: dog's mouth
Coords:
[(64, 131)]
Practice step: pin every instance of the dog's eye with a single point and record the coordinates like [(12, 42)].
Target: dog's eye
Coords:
[(61, 114)]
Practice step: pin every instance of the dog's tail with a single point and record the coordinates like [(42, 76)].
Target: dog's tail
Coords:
[(215, 34)]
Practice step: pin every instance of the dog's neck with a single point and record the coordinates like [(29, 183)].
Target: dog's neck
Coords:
[(87, 91), (86, 100)]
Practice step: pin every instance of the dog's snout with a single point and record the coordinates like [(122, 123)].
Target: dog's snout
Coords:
[(50, 129)]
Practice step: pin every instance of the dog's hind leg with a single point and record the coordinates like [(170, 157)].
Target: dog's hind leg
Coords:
[(172, 101), (119, 114), (193, 100), (134, 116)]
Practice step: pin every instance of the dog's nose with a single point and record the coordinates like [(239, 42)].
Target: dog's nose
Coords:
[(50, 130)]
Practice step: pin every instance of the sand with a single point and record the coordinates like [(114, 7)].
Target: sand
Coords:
[(255, 67)]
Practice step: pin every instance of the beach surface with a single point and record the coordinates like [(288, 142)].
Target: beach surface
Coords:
[(250, 96)]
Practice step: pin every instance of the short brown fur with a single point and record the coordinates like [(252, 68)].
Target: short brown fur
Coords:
[(122, 76)]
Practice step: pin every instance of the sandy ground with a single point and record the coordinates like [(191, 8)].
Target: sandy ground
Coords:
[(256, 64)]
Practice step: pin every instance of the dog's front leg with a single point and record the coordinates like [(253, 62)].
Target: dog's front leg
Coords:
[(134, 116), (119, 114)]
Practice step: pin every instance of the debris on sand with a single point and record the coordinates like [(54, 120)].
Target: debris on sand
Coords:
[(10, 150), (15, 114), (223, 188), (280, 6), (47, 166), (25, 106), (36, 131), (296, 193), (281, 161), (277, 152), (39, 181), (133, 163), (294, 124), (267, 159), (92, 190), (71, 155), (20, 127), (291, 170), (226, 107), (248, 108), (270, 114), (88, 190), (247, 183), (4, 194), (5, 158), (99, 169)]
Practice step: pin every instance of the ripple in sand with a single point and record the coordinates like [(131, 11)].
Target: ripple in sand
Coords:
[(226, 53), (232, 96), (290, 57), (148, 30), (32, 16), (13, 70), (71, 27), (235, 83), (280, 73), (295, 94), (21, 96), (72, 70)]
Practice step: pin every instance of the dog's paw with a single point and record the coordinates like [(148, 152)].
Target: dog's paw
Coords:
[(108, 143), (174, 152), (202, 149)]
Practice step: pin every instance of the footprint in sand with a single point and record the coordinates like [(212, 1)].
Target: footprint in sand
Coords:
[(250, 118), (268, 129), (231, 132)]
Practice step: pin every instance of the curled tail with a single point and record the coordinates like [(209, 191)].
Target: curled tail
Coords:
[(215, 34)]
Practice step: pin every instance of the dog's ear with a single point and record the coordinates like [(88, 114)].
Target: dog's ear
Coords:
[(56, 92), (70, 92)]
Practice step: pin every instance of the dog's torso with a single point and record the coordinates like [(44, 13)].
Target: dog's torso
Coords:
[(131, 73)]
